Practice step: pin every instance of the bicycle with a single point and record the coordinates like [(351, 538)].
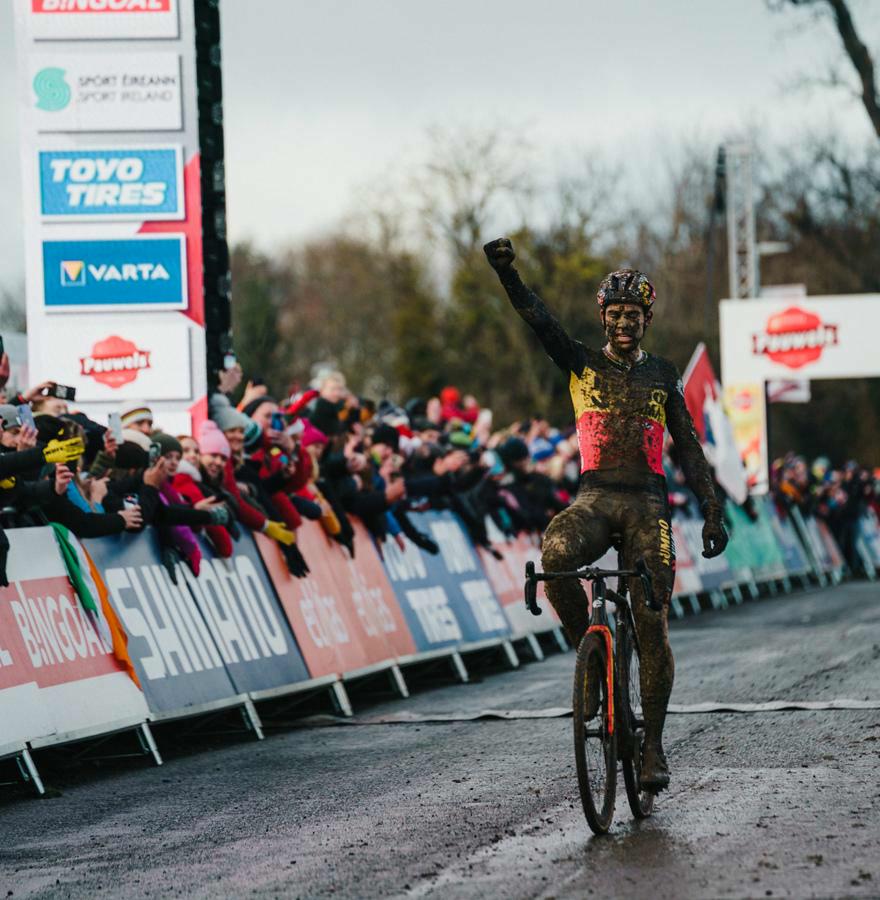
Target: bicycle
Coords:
[(607, 717)]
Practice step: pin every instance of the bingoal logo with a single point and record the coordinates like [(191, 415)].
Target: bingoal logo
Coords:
[(100, 6)]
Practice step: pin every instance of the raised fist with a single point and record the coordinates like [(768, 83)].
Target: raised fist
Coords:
[(499, 253)]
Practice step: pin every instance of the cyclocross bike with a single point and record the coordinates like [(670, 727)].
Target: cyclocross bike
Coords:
[(606, 700)]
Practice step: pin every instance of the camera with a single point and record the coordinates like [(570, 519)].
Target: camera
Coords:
[(62, 392)]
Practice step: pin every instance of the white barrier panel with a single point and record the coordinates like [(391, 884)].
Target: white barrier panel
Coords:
[(58, 655)]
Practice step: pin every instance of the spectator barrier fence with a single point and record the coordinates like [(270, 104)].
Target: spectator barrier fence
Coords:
[(245, 631)]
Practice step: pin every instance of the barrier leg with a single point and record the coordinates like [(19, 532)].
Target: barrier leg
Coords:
[(718, 600), (786, 584), (252, 719), (339, 696), (694, 601), (29, 772), (534, 647), (737, 593), (560, 640), (459, 667), (510, 654), (397, 682), (677, 608), (148, 743)]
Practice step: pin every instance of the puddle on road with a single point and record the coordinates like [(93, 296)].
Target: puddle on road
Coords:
[(715, 829)]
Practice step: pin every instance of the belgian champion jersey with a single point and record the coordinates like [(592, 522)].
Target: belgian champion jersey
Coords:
[(621, 412)]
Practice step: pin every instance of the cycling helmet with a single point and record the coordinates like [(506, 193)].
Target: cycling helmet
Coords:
[(626, 286)]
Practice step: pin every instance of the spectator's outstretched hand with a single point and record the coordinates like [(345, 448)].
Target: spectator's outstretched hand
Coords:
[(133, 518), (36, 391), (63, 477), (252, 392), (26, 439), (157, 474), (500, 254), (110, 443), (4, 369), (229, 379), (278, 531)]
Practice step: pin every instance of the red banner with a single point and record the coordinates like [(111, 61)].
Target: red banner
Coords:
[(344, 615)]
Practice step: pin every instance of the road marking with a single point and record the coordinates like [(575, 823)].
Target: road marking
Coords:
[(561, 712)]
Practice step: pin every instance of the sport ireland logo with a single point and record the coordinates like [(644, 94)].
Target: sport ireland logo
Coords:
[(53, 92)]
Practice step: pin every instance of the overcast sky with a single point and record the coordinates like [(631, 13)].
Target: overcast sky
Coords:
[(321, 98)]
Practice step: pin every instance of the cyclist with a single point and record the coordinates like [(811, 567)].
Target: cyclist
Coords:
[(623, 399)]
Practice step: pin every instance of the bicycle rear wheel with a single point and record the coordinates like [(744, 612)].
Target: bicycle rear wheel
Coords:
[(641, 803), (595, 748)]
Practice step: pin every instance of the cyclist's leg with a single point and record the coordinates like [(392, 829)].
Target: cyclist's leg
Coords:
[(648, 535), (577, 536)]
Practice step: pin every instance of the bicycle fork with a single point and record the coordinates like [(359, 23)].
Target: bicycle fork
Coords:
[(599, 625)]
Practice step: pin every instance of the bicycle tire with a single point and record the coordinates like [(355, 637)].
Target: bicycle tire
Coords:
[(641, 803), (595, 749)]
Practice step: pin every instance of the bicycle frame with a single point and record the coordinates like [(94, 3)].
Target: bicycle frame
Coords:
[(599, 623)]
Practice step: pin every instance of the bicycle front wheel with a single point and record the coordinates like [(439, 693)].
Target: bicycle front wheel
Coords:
[(595, 748), (641, 802)]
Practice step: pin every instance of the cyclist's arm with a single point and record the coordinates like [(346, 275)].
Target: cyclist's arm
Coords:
[(690, 453), (559, 346)]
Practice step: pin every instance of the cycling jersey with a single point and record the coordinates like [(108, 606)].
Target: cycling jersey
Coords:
[(620, 411)]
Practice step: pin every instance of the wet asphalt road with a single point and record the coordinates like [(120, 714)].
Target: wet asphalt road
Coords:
[(768, 804)]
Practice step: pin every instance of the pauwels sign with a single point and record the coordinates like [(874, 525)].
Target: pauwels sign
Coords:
[(810, 337)]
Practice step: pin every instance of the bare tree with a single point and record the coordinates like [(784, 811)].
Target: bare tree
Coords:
[(855, 48)]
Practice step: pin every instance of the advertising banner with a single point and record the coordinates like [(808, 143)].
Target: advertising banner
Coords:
[(446, 598), (129, 357), (344, 614), (70, 20), (50, 640), (794, 556), (747, 410), (111, 190), (811, 337), (120, 274), (869, 532), (106, 92), (713, 573), (170, 644), (126, 183), (687, 578)]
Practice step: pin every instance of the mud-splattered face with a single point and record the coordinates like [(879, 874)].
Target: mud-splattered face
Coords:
[(625, 325)]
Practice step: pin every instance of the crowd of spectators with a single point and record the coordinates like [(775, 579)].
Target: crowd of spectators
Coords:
[(839, 496), (266, 464)]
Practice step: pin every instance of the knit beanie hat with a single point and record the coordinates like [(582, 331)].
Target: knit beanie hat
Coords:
[(134, 413), (8, 416), (252, 434), (130, 455), (254, 405), (212, 439), (387, 434), (227, 416), (132, 436), (168, 443)]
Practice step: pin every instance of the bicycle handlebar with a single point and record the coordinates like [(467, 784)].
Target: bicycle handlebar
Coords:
[(588, 573)]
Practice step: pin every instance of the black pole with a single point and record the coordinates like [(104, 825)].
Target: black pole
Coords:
[(716, 208), (215, 250)]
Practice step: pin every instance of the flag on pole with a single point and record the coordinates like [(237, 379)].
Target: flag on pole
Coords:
[(704, 399)]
